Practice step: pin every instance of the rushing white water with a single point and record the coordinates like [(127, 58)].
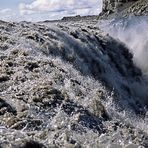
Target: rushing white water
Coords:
[(69, 83), (133, 31)]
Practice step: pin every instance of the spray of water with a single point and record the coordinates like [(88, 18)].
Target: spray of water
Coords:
[(133, 32)]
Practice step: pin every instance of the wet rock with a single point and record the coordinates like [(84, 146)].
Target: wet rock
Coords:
[(33, 144), (74, 34), (98, 110), (12, 121), (4, 78), (19, 125), (90, 122), (36, 37), (114, 146), (47, 96), (132, 146), (23, 114), (75, 82), (31, 66), (5, 107), (3, 47)]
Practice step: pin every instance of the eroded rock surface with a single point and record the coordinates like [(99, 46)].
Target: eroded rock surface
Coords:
[(123, 8)]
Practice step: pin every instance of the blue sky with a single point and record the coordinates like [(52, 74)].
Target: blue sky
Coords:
[(12, 3), (37, 10)]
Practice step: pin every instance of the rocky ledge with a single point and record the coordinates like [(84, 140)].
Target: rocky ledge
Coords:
[(123, 8)]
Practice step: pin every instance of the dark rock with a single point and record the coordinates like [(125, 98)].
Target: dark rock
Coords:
[(31, 66), (5, 107), (47, 96), (114, 5), (33, 144), (4, 78), (123, 8)]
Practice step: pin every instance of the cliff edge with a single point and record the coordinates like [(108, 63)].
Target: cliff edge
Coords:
[(124, 8)]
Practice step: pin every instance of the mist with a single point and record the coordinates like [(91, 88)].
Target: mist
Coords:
[(133, 32)]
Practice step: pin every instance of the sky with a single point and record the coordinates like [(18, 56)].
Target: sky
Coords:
[(39, 10)]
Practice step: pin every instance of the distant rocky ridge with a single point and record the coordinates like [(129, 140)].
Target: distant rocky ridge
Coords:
[(123, 8), (76, 18), (79, 18)]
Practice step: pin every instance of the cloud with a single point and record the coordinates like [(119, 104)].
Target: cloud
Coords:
[(5, 11), (7, 14), (69, 7)]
